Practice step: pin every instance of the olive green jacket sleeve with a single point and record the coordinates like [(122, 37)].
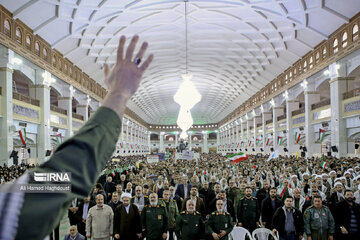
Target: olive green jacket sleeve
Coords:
[(84, 155)]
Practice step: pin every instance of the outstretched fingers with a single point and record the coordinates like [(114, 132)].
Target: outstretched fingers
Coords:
[(141, 53), (131, 48), (146, 64), (120, 51)]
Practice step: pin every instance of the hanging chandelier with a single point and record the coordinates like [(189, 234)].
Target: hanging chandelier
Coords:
[(187, 96)]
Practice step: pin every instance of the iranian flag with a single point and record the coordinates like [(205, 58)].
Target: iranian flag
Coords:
[(267, 142), (249, 143), (297, 137), (121, 146), (22, 134), (321, 135), (238, 145), (281, 190), (280, 141), (238, 157), (323, 164)]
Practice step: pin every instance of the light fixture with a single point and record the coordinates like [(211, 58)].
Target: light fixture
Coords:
[(304, 84), (16, 61), (187, 96), (286, 94), (326, 72), (272, 102)]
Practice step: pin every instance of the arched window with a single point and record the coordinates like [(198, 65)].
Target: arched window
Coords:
[(290, 76), (344, 40), (317, 57), (37, 48), (18, 35), (7, 28), (335, 46), (311, 62), (324, 53), (45, 53), (66, 67), (28, 41), (305, 66), (355, 32), (286, 78), (54, 60)]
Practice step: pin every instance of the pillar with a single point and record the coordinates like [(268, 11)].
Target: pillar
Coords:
[(41, 92), (205, 137), (265, 117), (310, 98), (277, 111), (190, 141), (161, 149), (7, 128), (65, 102), (291, 105), (83, 108), (257, 120)]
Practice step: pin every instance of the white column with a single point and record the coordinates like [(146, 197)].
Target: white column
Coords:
[(190, 141), (310, 98), (265, 117), (83, 110), (217, 139), (161, 149), (176, 139), (65, 102), (6, 128), (205, 142), (257, 120), (248, 124), (291, 105), (338, 86), (41, 92), (149, 142), (277, 111)]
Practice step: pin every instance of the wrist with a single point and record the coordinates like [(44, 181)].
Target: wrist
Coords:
[(116, 102)]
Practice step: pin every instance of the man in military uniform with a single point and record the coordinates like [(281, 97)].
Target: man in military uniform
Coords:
[(189, 224), (318, 221), (172, 210), (219, 224), (154, 219), (248, 213)]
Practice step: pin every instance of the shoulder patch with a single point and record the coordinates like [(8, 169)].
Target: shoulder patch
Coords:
[(146, 196), (227, 213), (183, 212), (213, 213), (242, 198), (145, 206), (197, 212), (162, 205), (133, 197)]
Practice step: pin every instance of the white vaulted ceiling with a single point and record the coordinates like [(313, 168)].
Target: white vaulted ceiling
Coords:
[(235, 47)]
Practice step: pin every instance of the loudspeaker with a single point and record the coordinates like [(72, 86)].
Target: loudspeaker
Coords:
[(29, 150), (246, 149), (261, 149), (240, 150), (302, 154), (304, 149), (253, 149), (47, 153), (329, 154), (272, 149), (334, 148), (285, 150), (356, 145), (301, 147)]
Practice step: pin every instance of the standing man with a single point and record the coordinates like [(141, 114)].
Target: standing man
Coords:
[(347, 215), (288, 221), (189, 224), (248, 211), (199, 202), (318, 221), (99, 221), (114, 201), (173, 212), (127, 222), (269, 206), (220, 223), (154, 219), (82, 213), (139, 199), (109, 187)]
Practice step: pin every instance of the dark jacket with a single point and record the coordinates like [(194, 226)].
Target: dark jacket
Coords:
[(180, 191), (267, 211), (279, 218), (77, 237), (342, 217), (261, 195), (200, 206)]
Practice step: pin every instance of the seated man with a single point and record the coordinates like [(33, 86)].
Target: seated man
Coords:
[(74, 235)]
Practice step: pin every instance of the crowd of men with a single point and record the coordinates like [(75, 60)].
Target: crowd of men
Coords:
[(207, 198)]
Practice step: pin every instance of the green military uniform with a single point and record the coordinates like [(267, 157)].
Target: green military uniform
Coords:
[(84, 155), (248, 213), (239, 195), (319, 224), (189, 226), (232, 193), (155, 221), (220, 221), (172, 210)]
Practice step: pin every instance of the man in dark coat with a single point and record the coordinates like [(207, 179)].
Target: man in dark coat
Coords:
[(269, 206), (127, 221), (228, 205), (347, 218), (82, 212)]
